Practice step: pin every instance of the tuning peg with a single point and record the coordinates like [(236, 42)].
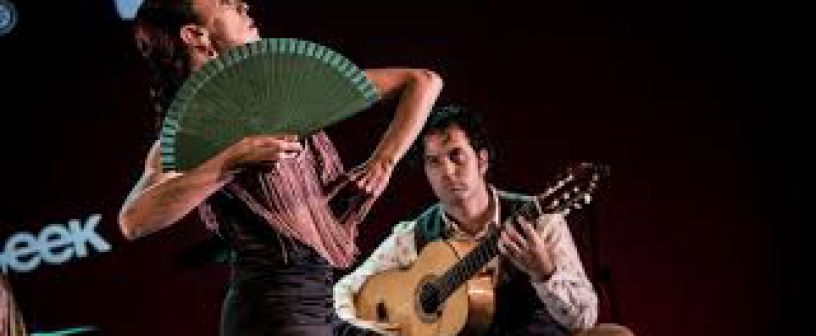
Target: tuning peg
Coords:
[(587, 198)]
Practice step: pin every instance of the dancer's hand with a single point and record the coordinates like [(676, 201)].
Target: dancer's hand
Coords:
[(372, 177), (260, 150)]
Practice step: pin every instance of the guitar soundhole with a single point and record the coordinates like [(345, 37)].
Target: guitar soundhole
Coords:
[(382, 314), (429, 298)]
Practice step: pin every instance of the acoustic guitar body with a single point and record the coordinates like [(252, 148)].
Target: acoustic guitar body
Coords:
[(395, 296)]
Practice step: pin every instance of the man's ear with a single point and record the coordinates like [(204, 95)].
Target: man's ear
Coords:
[(484, 161)]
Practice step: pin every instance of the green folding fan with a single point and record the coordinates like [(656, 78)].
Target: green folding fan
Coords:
[(266, 87)]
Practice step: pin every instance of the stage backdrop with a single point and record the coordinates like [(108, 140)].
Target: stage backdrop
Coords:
[(697, 225)]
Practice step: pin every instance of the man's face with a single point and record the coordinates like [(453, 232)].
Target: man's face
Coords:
[(228, 23), (454, 169)]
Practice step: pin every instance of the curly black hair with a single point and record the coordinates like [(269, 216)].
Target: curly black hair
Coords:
[(449, 115)]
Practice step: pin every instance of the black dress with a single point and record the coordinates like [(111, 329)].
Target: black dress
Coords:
[(278, 286)]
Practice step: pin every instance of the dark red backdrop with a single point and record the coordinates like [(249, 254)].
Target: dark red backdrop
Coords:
[(684, 100)]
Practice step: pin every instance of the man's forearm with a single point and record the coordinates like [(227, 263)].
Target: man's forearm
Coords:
[(396, 251)]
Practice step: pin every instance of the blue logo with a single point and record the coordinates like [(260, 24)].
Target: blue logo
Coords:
[(55, 244), (8, 17), (127, 8)]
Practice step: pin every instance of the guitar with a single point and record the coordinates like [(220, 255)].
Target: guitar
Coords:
[(442, 293)]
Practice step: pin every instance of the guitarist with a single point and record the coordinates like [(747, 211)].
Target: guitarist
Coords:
[(540, 285)]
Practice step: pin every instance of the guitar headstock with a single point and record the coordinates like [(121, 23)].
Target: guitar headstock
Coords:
[(573, 189)]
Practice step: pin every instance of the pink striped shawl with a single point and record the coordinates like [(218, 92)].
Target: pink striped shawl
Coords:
[(294, 199)]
